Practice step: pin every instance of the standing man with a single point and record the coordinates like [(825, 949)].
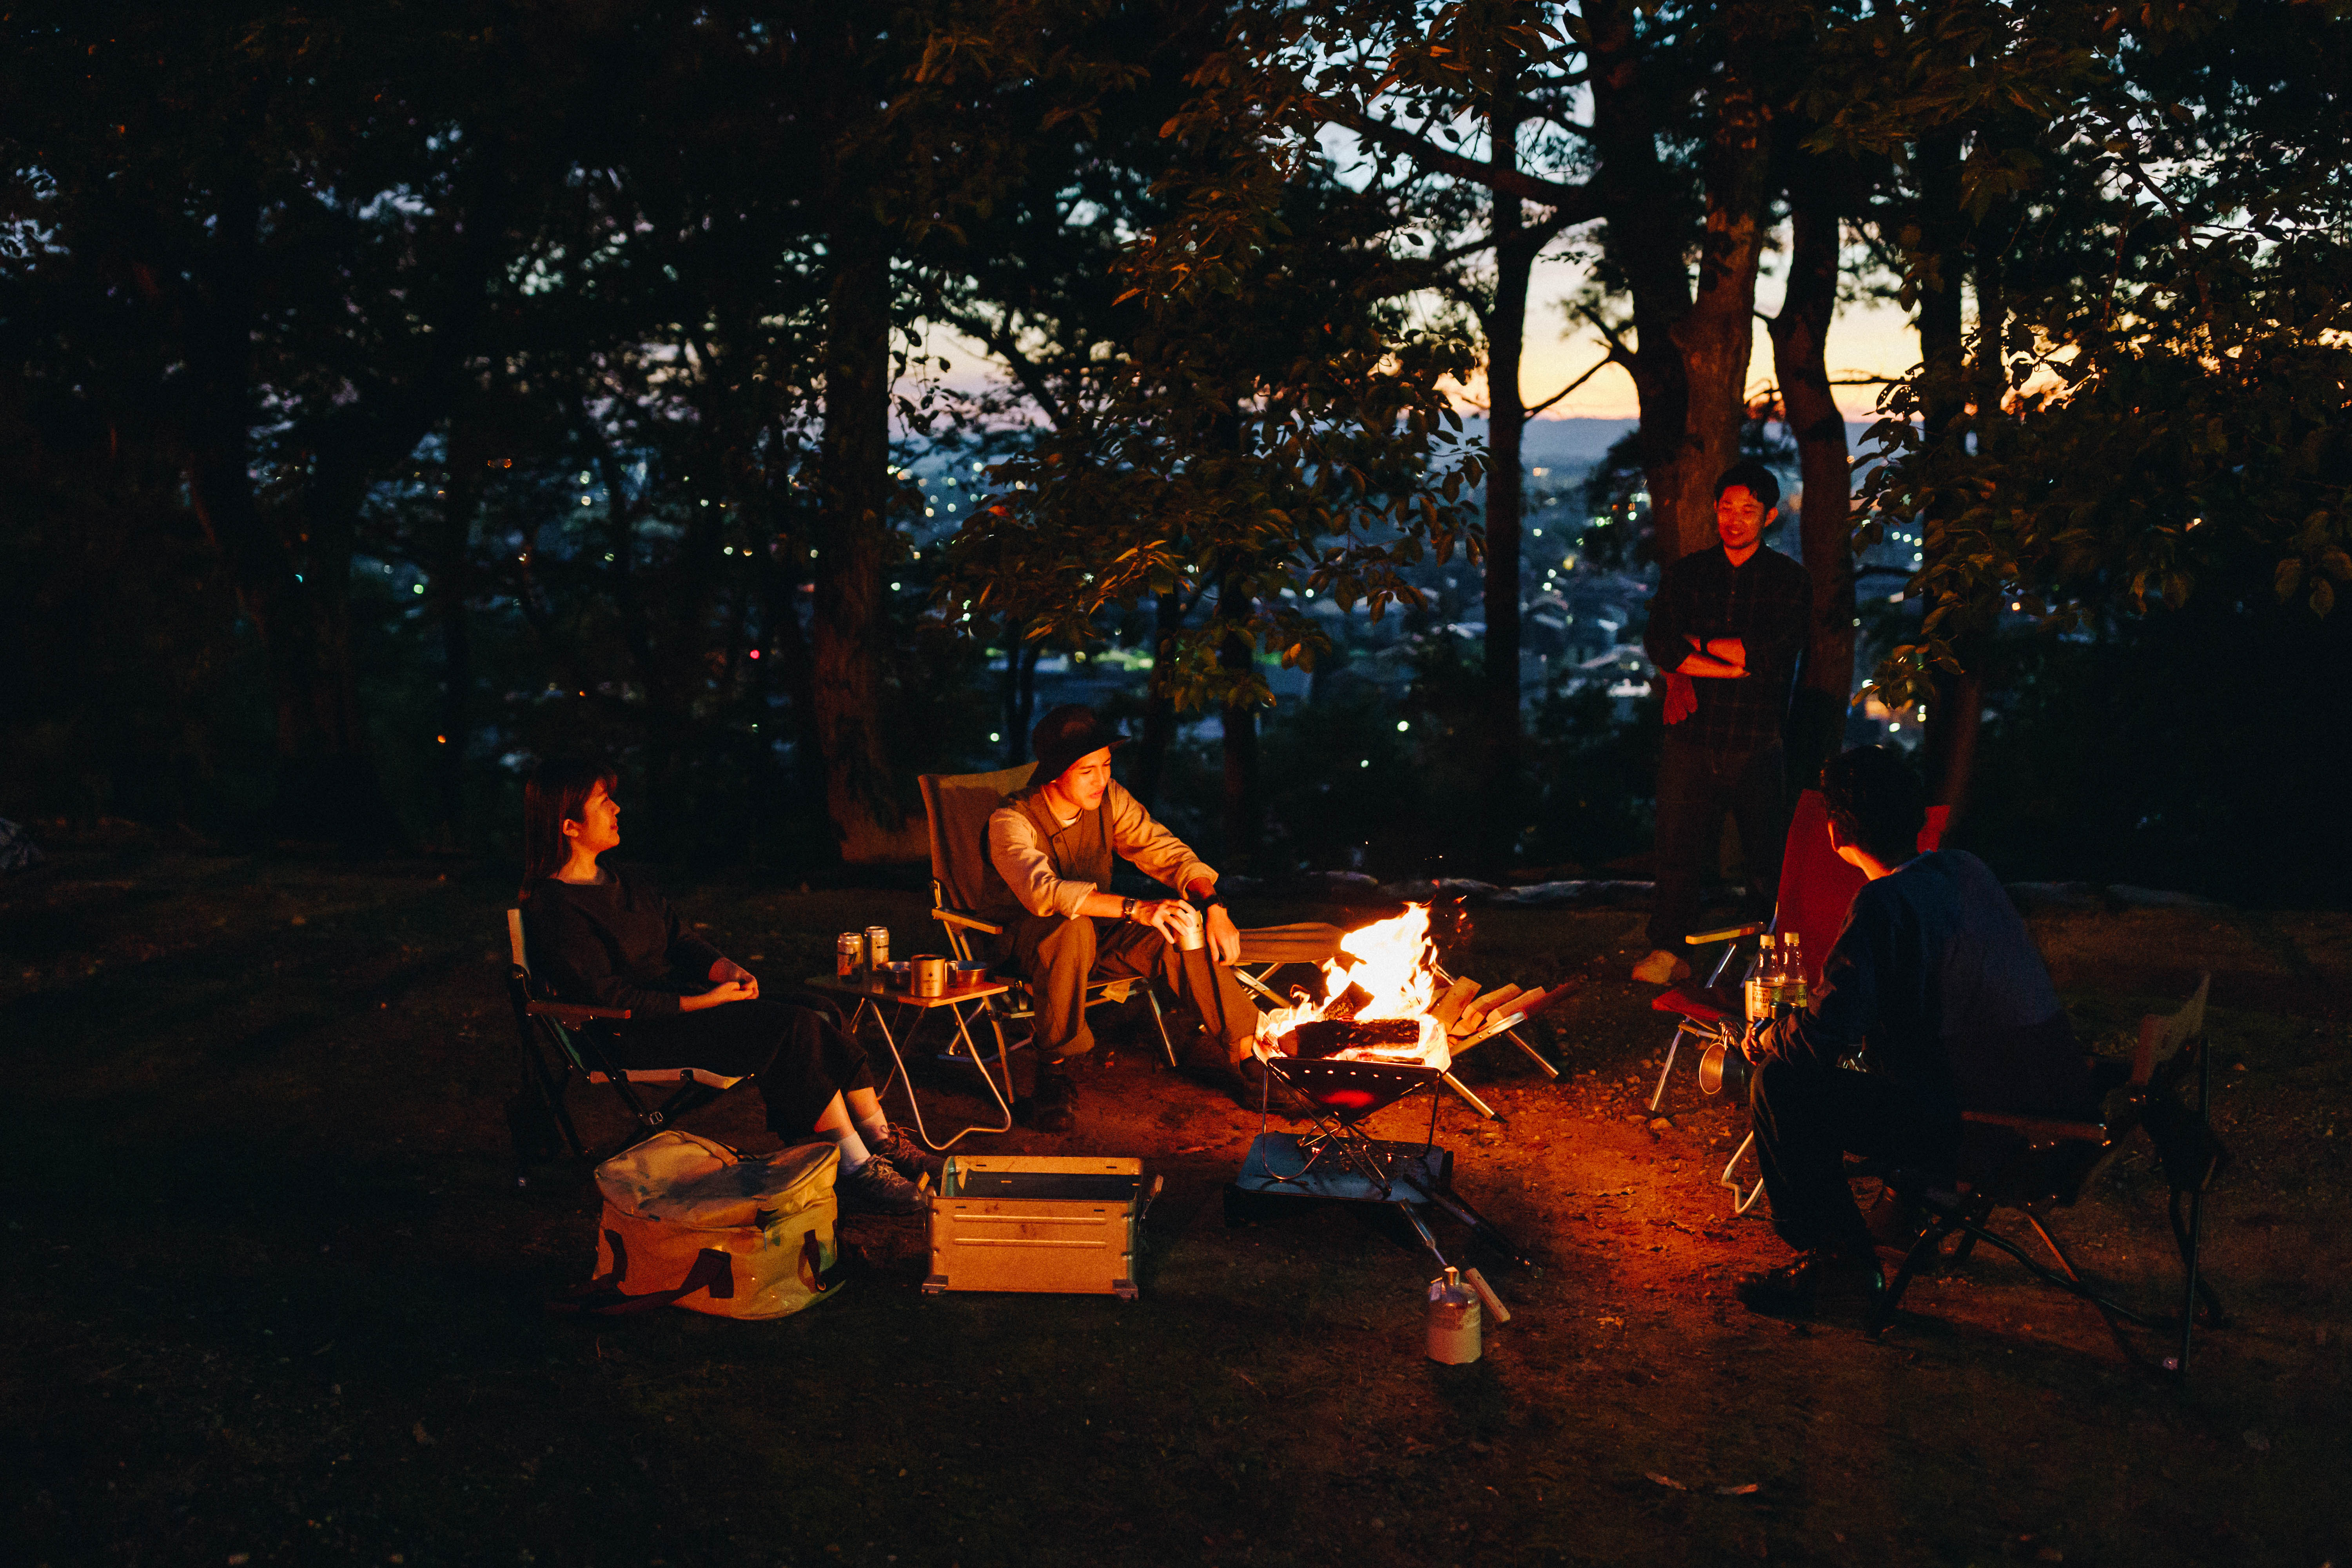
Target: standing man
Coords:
[(1051, 846), (1726, 630)]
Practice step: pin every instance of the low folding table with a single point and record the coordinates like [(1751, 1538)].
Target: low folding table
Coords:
[(870, 995)]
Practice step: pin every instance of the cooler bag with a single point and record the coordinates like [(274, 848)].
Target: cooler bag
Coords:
[(689, 1222)]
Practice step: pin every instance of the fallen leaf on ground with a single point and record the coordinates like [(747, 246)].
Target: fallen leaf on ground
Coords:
[(1666, 1480), (421, 1434), (1741, 1490)]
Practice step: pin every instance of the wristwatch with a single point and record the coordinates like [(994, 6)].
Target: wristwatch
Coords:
[(1127, 908)]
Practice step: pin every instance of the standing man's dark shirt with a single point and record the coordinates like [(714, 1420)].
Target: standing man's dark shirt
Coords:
[(1764, 603)]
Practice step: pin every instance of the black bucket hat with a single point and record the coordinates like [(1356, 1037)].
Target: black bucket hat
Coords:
[(1066, 734)]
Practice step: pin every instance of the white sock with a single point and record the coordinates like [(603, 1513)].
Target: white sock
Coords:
[(876, 1127), (852, 1147)]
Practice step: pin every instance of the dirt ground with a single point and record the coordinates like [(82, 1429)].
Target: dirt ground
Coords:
[(272, 1294)]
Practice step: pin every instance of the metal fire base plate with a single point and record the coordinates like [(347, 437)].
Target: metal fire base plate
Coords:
[(1277, 1168)]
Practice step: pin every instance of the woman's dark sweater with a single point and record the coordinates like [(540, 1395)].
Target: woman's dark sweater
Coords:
[(616, 944)]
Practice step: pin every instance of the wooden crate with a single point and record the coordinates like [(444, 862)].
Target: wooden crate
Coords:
[(1038, 1222)]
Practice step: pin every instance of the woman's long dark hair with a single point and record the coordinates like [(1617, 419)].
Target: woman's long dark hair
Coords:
[(555, 793)]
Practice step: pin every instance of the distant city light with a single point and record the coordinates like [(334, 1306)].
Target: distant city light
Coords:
[(1402, 726)]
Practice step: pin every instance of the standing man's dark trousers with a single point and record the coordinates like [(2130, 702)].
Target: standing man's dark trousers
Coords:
[(1060, 957), (1697, 787), (1808, 1119)]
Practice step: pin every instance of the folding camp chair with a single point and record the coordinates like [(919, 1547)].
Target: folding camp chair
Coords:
[(2036, 1164), (957, 807), (1816, 889), (569, 1032)]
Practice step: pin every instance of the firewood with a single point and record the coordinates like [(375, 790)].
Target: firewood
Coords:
[(1475, 1015), (1345, 1006), (1329, 1037), (1451, 1003)]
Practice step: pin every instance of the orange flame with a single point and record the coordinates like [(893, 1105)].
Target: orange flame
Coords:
[(1392, 962)]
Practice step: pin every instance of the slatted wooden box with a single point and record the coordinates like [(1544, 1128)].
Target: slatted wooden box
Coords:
[(1038, 1222)]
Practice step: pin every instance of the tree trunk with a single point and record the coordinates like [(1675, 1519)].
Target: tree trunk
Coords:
[(1159, 714), (788, 643), (1020, 700), (854, 526), (1515, 254), (1799, 334), (451, 567), (1647, 239), (328, 789), (1717, 335), (1243, 809), (1955, 712)]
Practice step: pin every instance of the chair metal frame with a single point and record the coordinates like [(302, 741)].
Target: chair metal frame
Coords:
[(2053, 1160), (543, 1025), (1017, 1003)]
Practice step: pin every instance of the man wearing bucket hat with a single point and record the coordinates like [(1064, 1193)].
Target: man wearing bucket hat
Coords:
[(1051, 846)]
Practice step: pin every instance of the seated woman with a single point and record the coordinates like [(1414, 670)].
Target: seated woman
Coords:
[(610, 940)]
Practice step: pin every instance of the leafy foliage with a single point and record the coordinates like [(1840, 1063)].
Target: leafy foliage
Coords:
[(1274, 427), (2164, 397)]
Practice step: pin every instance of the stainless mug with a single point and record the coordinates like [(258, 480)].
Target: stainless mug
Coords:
[(930, 976)]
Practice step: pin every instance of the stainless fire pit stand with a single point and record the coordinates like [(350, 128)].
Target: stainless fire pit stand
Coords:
[(1339, 1163)]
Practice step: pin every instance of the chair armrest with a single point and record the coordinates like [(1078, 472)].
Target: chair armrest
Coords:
[(2041, 1127), (1729, 934), (573, 1014), (948, 917)]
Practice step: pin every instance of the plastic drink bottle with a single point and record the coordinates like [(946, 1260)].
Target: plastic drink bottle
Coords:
[(1793, 989)]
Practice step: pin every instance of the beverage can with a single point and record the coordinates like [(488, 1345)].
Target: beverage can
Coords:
[(877, 946), (849, 955)]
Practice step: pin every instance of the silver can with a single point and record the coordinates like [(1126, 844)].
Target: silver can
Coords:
[(877, 946), (849, 955)]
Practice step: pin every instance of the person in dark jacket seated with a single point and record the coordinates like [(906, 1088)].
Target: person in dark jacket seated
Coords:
[(1936, 986), (609, 939)]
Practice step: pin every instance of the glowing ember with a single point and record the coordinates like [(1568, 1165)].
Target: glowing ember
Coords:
[(1393, 964)]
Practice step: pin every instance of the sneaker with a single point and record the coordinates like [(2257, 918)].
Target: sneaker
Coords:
[(1661, 968), (1823, 1274), (877, 1187), (909, 1158)]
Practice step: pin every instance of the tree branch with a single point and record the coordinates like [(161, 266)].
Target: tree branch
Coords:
[(1606, 361), (1580, 204)]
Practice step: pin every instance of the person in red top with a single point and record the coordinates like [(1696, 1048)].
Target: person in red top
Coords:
[(609, 939)]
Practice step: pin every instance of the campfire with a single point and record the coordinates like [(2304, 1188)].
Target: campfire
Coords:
[(1379, 1000)]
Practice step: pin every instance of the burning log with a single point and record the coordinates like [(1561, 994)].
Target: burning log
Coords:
[(1315, 1038)]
